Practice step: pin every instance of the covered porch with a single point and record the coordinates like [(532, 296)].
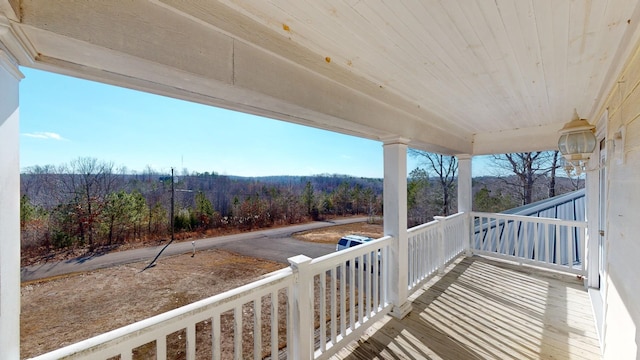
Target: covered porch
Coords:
[(487, 309), (456, 78)]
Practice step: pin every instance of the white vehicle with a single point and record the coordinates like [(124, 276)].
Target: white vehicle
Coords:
[(351, 240)]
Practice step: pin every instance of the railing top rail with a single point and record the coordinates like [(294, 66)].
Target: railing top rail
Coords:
[(450, 217), (545, 220), (422, 227), (101, 341), (434, 222)]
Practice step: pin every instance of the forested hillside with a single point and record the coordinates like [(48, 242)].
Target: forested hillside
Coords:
[(88, 204), (99, 207)]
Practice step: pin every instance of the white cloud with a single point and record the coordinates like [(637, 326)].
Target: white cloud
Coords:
[(44, 135)]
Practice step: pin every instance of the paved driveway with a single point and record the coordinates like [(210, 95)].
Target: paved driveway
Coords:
[(271, 244)]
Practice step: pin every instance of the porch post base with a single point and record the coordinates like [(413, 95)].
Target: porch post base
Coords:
[(399, 312)]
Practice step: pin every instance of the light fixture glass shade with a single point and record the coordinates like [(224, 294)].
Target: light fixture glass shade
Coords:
[(577, 145), (577, 141)]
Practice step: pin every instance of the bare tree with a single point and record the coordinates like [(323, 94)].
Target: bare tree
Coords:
[(528, 167), (552, 172), (446, 169), (39, 183), (88, 183), (576, 181)]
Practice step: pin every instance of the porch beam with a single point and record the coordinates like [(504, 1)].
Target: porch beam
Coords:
[(10, 77), (536, 138), (395, 223)]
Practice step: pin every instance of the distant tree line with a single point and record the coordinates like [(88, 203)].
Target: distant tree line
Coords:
[(91, 203), (520, 179)]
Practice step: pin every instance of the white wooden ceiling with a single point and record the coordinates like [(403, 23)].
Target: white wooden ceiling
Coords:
[(467, 76)]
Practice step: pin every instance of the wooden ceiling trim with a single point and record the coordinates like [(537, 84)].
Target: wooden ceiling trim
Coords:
[(425, 64), (614, 19), (519, 27), (365, 12), (459, 53), (483, 46), (481, 15), (554, 54), (440, 62), (584, 20), (461, 67), (327, 35), (509, 74)]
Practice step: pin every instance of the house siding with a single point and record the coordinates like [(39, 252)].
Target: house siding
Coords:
[(622, 287)]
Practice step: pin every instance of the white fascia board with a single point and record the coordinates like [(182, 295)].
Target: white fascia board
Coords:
[(538, 138)]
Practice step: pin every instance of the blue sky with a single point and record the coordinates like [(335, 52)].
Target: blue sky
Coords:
[(63, 118)]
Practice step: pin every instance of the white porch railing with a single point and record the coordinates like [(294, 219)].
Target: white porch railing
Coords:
[(433, 245), (455, 235), (424, 254), (351, 291), (314, 307), (545, 242), (223, 315)]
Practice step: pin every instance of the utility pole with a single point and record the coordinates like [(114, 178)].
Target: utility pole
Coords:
[(173, 193), (173, 197)]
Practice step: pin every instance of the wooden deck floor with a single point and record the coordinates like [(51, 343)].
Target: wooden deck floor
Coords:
[(485, 309)]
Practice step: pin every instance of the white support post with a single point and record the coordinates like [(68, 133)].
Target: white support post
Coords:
[(10, 77), (465, 199), (395, 223), (592, 185), (303, 326)]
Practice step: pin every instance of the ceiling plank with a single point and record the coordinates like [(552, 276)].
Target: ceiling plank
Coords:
[(457, 70)]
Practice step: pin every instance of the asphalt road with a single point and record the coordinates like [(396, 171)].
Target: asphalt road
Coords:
[(271, 244)]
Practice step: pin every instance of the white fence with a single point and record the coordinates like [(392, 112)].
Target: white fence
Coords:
[(545, 242), (433, 245)]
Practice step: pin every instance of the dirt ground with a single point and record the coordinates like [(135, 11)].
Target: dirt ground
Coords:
[(64, 310), (330, 235)]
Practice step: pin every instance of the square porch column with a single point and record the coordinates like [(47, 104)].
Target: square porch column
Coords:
[(395, 223), (465, 196), (465, 200), (10, 77)]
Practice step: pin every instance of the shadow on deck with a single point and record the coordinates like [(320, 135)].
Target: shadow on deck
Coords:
[(486, 309)]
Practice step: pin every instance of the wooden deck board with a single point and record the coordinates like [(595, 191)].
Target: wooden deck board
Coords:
[(484, 309)]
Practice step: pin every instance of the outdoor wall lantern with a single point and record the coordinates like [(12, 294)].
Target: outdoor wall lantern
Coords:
[(576, 143)]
